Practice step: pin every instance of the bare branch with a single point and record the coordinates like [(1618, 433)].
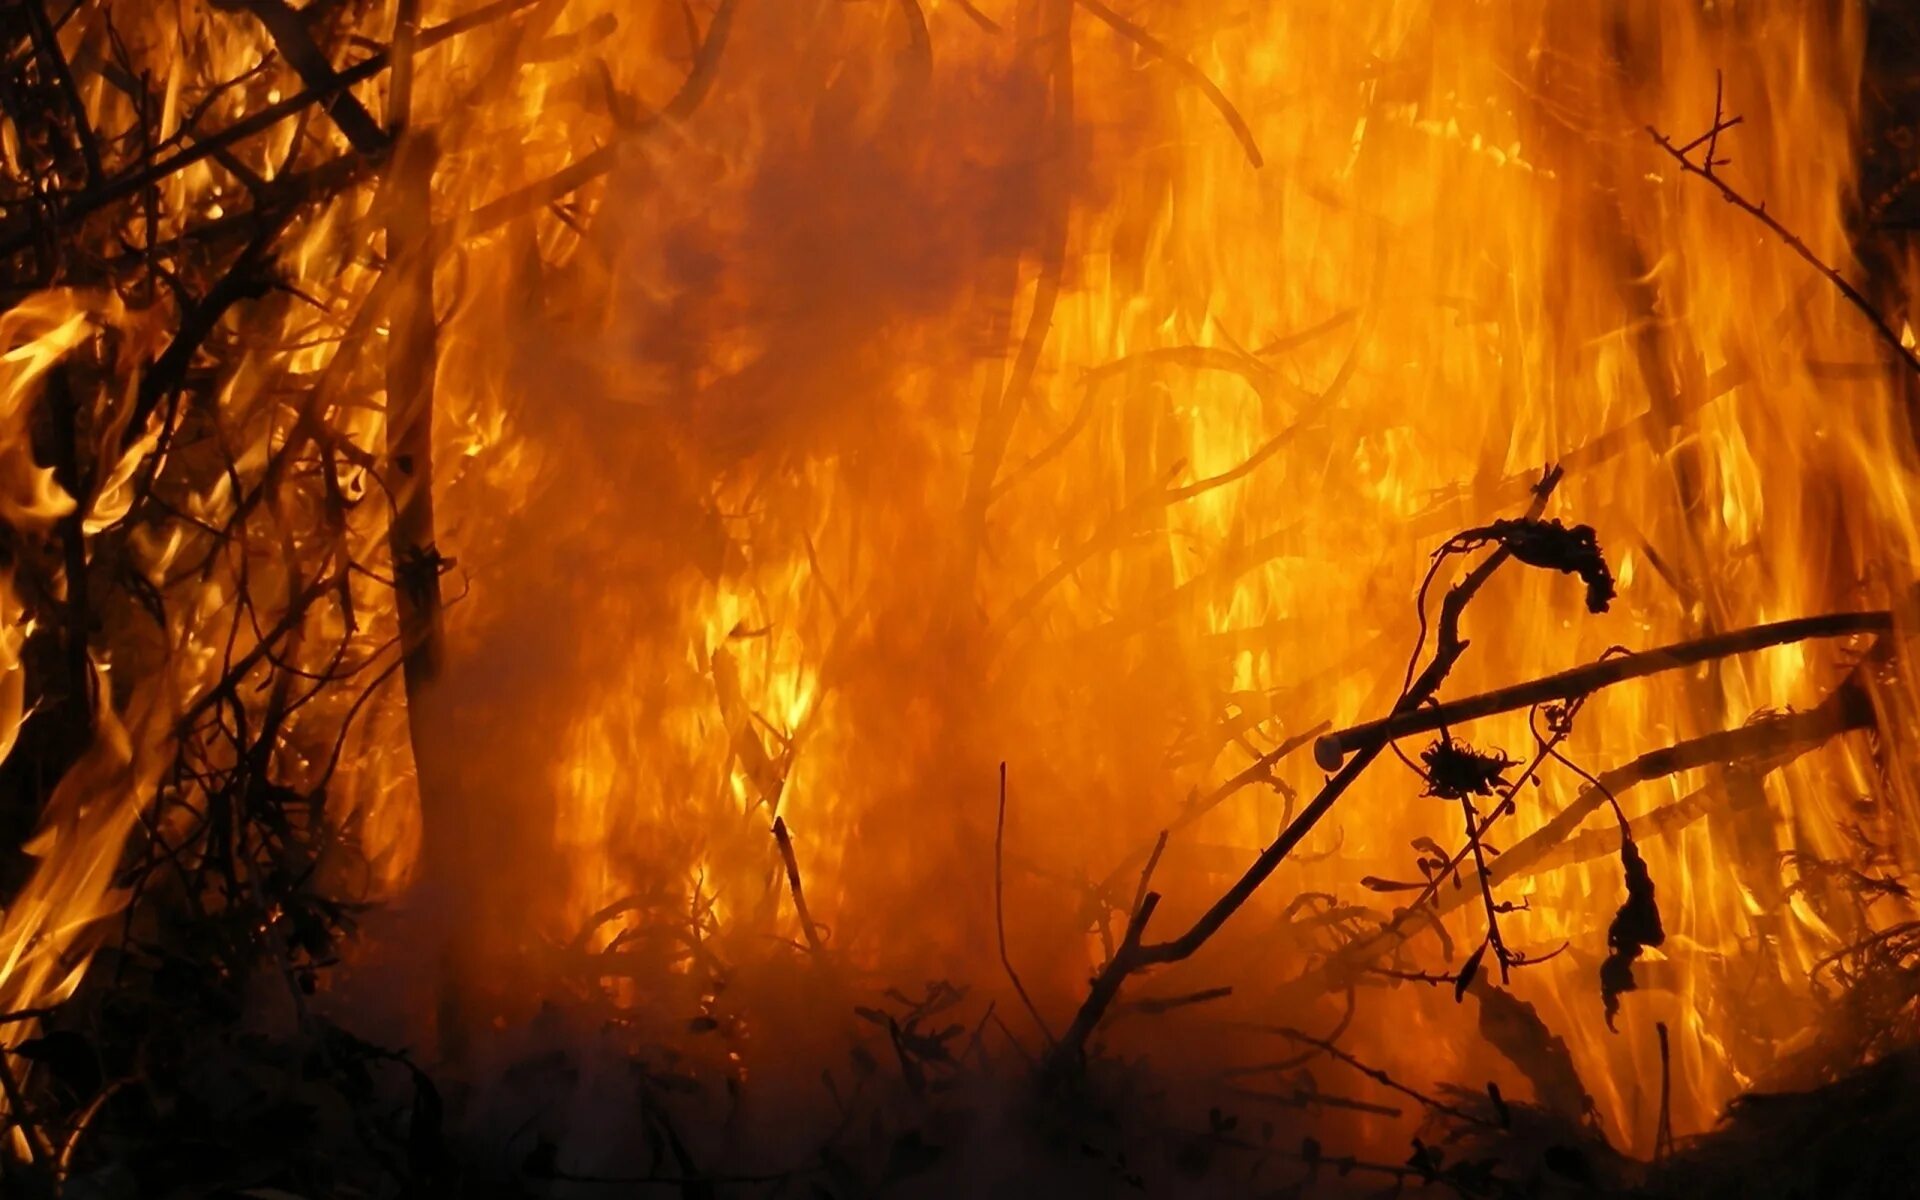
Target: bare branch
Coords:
[(812, 931), (1582, 681), (1707, 169), (1134, 956), (1000, 908), (289, 32), (137, 181)]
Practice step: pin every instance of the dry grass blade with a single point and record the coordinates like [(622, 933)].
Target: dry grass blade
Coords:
[(1000, 908), (589, 167), (1192, 74), (792, 864)]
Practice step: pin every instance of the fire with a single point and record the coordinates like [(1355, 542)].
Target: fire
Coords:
[(901, 389)]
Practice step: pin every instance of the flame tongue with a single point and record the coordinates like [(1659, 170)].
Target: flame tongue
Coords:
[(880, 398)]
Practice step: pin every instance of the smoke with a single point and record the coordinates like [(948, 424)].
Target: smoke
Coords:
[(722, 434)]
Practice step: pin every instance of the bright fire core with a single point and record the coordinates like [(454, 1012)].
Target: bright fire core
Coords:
[(925, 387)]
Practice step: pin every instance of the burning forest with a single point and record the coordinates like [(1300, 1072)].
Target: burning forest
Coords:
[(836, 598)]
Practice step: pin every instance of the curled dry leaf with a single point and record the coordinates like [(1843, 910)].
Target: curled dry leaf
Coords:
[(1549, 545), (1465, 979), (1515, 1028), (1635, 927)]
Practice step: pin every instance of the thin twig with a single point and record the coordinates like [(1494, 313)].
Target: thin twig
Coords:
[(246, 279), (1378, 1075), (1134, 956), (1146, 874), (1260, 770), (1186, 70), (1484, 885), (1162, 494), (1154, 1005), (1302, 1097), (1504, 808), (47, 42), (37, 1148), (999, 413), (1706, 169), (920, 42), (1760, 745), (137, 181), (1000, 909), (1663, 1132), (977, 17)]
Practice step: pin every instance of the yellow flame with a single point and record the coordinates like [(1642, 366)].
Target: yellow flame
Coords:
[(711, 434)]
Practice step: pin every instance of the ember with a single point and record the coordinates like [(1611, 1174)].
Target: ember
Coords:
[(749, 581)]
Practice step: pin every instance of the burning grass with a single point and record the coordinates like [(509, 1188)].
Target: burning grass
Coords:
[(529, 527)]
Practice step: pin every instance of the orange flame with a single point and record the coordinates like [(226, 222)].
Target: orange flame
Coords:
[(932, 395)]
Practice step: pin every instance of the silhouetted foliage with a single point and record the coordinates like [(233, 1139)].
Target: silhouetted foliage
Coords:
[(1635, 927)]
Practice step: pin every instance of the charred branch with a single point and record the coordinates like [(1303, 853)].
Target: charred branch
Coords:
[(1584, 681), (1381, 1077), (410, 370), (289, 32), (1759, 746), (808, 927), (1133, 955), (46, 42), (1259, 771), (1155, 1005), (247, 279), (136, 181), (253, 551)]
